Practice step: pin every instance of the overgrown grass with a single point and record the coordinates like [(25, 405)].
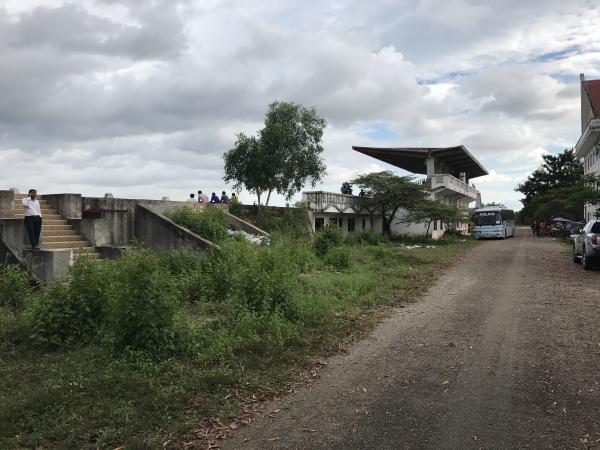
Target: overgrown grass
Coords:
[(237, 320)]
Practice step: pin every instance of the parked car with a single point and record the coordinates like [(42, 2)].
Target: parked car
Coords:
[(585, 245)]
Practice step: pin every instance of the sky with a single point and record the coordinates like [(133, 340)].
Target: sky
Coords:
[(141, 98)]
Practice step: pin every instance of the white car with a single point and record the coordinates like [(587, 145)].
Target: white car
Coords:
[(585, 245)]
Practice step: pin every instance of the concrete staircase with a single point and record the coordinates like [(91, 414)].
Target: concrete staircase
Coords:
[(57, 233)]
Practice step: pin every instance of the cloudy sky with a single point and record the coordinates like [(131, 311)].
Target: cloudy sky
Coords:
[(142, 97)]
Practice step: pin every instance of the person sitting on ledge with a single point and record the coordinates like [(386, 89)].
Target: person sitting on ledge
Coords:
[(224, 197), (235, 200), (202, 198), (191, 199), (214, 198)]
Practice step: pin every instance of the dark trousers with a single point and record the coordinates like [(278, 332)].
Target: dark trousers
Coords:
[(33, 225)]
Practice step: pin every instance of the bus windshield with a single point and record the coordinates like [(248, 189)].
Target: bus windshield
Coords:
[(487, 218)]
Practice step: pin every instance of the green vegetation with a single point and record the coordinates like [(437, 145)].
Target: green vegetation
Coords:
[(142, 351), (209, 224), (285, 156), (558, 188)]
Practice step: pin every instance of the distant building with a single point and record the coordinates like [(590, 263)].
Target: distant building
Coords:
[(588, 146), (448, 173)]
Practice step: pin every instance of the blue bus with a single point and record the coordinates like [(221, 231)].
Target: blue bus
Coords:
[(493, 222)]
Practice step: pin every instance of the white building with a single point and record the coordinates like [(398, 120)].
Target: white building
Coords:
[(588, 146), (447, 171)]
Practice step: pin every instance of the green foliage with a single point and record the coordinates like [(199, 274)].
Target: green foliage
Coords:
[(557, 188), (15, 286), (209, 224), (389, 193), (283, 158), (366, 237), (181, 262), (327, 239), (72, 310), (429, 211), (144, 313), (338, 258)]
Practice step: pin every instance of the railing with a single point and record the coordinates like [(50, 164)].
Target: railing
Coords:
[(320, 201), (449, 182)]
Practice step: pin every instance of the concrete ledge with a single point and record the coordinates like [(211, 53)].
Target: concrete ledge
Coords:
[(44, 265), (238, 224), (159, 233)]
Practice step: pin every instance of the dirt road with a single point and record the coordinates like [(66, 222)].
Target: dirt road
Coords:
[(502, 352)]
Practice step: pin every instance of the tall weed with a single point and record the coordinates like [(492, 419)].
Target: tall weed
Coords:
[(209, 224), (15, 286)]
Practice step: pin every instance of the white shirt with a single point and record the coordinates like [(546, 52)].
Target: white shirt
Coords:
[(189, 200), (32, 207), (203, 198)]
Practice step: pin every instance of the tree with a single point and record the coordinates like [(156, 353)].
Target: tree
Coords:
[(389, 193), (346, 188), (286, 154), (429, 211), (557, 188)]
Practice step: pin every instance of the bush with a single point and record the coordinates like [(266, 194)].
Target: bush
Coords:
[(145, 311), (15, 286), (366, 237), (339, 258), (181, 262), (327, 239), (209, 224), (74, 309)]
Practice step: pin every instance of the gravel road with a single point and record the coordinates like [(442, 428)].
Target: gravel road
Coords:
[(503, 351)]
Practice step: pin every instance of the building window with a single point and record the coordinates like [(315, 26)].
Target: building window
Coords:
[(435, 225), (364, 227), (336, 222), (319, 223), (351, 225)]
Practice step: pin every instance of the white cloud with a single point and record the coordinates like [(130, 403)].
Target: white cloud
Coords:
[(142, 98)]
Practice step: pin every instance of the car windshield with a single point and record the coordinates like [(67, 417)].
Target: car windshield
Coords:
[(595, 228), (487, 218)]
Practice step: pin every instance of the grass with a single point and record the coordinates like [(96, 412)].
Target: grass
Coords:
[(91, 396)]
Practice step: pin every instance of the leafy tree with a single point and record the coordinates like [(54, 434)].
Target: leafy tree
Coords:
[(557, 188), (346, 188), (429, 211), (284, 156), (390, 192)]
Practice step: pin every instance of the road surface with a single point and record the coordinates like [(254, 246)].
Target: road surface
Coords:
[(503, 351)]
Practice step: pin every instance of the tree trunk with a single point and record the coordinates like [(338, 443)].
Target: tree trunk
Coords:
[(427, 232), (268, 197)]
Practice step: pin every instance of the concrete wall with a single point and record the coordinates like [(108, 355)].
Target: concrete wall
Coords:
[(371, 222), (12, 234), (67, 205), (6, 204), (44, 265), (238, 224), (159, 233)]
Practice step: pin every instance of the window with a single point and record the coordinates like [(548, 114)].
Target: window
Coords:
[(319, 223), (364, 223), (351, 225), (435, 225), (336, 222)]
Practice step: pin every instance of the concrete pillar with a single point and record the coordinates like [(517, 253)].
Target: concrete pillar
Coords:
[(430, 163)]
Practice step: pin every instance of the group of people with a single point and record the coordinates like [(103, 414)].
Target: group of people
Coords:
[(539, 228), (214, 198)]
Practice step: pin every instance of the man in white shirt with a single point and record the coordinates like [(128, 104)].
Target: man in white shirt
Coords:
[(202, 198), (33, 218)]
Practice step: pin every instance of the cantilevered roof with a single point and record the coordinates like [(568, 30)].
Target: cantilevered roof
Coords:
[(592, 89), (457, 158)]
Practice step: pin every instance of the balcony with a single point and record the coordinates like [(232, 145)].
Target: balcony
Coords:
[(332, 202), (441, 182)]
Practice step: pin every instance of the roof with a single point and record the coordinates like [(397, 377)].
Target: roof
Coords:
[(592, 88), (413, 159)]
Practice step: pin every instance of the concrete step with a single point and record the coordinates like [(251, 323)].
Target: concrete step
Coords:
[(54, 222), (66, 244), (52, 232), (49, 227), (73, 237)]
